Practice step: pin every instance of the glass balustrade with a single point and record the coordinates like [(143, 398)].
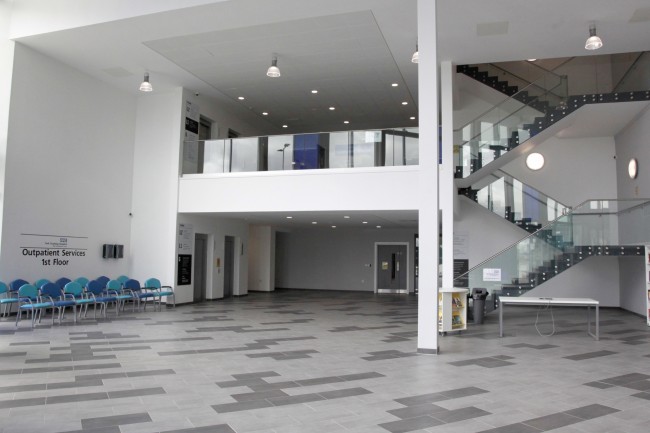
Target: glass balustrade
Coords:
[(572, 83), (517, 202), (595, 227), (345, 149), (504, 126)]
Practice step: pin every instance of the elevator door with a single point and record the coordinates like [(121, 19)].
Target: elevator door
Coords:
[(391, 269)]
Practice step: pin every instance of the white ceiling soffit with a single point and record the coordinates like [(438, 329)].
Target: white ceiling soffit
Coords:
[(394, 219), (344, 57), (602, 120)]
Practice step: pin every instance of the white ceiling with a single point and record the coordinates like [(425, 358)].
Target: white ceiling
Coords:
[(349, 50)]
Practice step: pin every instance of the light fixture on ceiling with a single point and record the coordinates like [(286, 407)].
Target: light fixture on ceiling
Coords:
[(416, 55), (273, 71), (264, 113), (593, 42), (633, 168), (146, 85), (535, 161), (332, 108), (531, 60)]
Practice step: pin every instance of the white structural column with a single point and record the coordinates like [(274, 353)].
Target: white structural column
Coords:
[(447, 189), (428, 187)]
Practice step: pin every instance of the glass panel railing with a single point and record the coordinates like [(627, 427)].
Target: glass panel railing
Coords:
[(635, 77), (509, 123), (515, 201), (595, 227), (346, 149)]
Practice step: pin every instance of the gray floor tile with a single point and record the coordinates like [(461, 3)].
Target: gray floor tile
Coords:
[(553, 421), (411, 424), (115, 420), (591, 411), (590, 355)]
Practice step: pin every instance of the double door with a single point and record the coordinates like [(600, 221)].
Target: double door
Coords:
[(391, 269)]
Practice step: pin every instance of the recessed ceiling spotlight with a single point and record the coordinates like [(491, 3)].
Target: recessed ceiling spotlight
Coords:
[(346, 121), (285, 126), (314, 91), (535, 161), (364, 222), (378, 227), (333, 227), (332, 108), (289, 217), (412, 117), (346, 217), (264, 113), (405, 103), (314, 222), (394, 84), (241, 98), (531, 60)]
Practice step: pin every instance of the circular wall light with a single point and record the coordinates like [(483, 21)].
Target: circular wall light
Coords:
[(633, 168), (535, 161)]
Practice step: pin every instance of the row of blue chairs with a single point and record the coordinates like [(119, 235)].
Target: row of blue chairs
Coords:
[(57, 296)]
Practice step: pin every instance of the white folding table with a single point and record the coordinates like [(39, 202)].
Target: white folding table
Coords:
[(551, 302)]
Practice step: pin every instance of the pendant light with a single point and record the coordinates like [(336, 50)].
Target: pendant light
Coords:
[(146, 85), (416, 55), (593, 42), (273, 70)]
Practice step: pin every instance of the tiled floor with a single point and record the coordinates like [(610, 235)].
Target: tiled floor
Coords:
[(304, 361)]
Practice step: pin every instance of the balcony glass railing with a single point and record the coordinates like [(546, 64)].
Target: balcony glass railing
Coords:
[(595, 227), (346, 149)]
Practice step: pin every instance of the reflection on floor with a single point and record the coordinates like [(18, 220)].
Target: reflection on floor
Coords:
[(308, 361)]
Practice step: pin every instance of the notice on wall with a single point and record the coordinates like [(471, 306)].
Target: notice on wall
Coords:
[(461, 266), (184, 272), (185, 238), (190, 148), (53, 250), (492, 274), (461, 245)]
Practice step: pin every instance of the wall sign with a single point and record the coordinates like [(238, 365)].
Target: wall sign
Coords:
[(53, 250), (492, 274), (185, 238), (184, 270)]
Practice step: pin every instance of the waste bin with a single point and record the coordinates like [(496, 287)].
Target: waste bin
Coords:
[(479, 295)]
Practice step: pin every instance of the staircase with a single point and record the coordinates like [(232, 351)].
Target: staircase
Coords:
[(593, 228), (528, 111)]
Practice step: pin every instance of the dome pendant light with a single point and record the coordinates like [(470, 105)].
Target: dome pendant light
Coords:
[(593, 42), (273, 70), (416, 55), (146, 85)]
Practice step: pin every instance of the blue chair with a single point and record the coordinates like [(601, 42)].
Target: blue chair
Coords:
[(15, 285), (154, 284), (114, 286), (82, 281), (61, 282), (122, 279), (6, 299), (52, 293), (30, 303), (41, 282), (73, 291), (97, 291), (139, 293), (103, 280)]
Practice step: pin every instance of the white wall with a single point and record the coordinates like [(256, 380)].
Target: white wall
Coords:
[(217, 229), (334, 189), (335, 259), (575, 169), (261, 253), (632, 284), (70, 143), (155, 185), (6, 69)]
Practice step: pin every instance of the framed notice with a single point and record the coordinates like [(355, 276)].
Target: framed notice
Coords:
[(184, 270), (492, 274)]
